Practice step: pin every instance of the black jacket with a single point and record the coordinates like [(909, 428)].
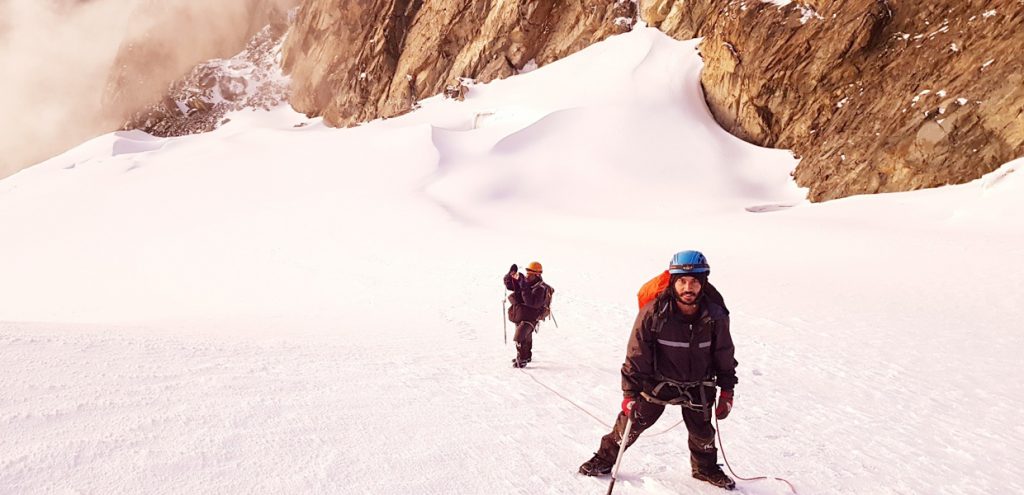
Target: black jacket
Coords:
[(665, 344), (527, 298)]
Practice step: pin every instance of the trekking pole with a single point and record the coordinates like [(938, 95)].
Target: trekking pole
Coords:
[(553, 319), (504, 321), (618, 458)]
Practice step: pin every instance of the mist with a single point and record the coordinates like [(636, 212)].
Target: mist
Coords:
[(54, 59), (59, 84)]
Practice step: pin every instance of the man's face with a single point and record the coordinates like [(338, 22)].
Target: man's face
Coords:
[(530, 274), (687, 289)]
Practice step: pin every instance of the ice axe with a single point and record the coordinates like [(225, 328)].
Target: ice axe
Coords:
[(504, 321), (618, 458)]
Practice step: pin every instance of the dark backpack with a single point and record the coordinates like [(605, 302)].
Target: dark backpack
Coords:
[(520, 312), (545, 311)]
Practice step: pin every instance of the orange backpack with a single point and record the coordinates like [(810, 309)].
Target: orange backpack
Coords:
[(652, 288)]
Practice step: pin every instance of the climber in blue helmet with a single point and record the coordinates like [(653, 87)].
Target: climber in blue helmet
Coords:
[(679, 351)]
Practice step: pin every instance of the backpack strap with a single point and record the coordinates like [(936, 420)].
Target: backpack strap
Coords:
[(658, 318)]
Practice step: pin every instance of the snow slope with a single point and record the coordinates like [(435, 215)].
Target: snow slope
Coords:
[(281, 307)]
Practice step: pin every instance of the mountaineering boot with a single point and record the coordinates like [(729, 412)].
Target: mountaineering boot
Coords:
[(519, 363), (715, 476), (596, 466)]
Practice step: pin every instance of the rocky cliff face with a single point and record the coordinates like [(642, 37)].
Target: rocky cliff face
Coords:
[(199, 101), (355, 61), (167, 40), (874, 95)]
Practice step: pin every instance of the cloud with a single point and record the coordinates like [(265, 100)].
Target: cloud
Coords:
[(54, 57)]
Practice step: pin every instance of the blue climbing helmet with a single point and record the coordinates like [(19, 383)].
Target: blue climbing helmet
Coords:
[(691, 263)]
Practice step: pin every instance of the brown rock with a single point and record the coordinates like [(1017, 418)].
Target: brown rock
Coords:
[(166, 40), (680, 19), (875, 96), (356, 61), (199, 101)]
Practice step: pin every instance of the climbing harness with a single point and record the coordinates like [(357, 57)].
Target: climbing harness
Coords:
[(683, 394)]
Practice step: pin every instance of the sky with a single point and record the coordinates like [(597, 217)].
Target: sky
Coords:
[(279, 306)]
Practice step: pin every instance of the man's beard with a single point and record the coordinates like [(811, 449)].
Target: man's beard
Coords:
[(681, 300)]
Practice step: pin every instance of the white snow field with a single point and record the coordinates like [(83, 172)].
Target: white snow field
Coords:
[(282, 307)]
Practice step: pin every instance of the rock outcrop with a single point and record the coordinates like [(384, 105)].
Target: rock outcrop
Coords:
[(356, 61), (199, 101), (874, 95), (167, 40)]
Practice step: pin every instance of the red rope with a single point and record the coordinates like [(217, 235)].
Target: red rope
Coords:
[(726, 459)]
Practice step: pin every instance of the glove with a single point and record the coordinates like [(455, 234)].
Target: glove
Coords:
[(513, 269), (627, 405), (724, 404)]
